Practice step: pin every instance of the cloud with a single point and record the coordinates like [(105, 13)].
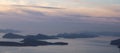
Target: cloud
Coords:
[(9, 31), (45, 19), (46, 7), (11, 2), (94, 14)]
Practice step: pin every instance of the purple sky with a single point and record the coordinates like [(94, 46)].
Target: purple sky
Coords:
[(53, 16)]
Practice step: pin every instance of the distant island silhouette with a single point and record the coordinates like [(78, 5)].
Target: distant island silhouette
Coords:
[(116, 42), (37, 40), (30, 42), (43, 37), (38, 36), (77, 35)]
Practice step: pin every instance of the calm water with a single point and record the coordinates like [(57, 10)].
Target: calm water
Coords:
[(87, 45)]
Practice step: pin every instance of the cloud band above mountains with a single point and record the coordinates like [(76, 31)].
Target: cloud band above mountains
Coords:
[(46, 19)]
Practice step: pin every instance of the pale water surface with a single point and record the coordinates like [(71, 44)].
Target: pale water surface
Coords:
[(83, 45)]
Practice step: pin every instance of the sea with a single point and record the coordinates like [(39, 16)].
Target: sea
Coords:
[(80, 45)]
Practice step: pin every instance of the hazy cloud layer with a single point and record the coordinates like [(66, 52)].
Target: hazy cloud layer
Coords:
[(51, 20), (9, 31)]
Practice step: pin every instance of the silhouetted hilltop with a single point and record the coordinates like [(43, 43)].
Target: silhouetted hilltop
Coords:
[(75, 35), (13, 36), (116, 42)]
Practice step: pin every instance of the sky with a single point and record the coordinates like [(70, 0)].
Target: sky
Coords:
[(59, 16)]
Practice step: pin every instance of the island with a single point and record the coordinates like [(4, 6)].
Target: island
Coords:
[(38, 36), (116, 42), (57, 36), (76, 35), (30, 42), (13, 36)]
